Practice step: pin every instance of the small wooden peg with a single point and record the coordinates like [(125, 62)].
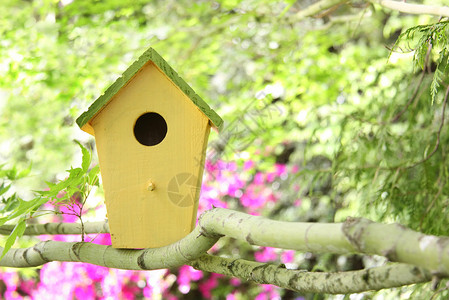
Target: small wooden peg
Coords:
[(151, 186)]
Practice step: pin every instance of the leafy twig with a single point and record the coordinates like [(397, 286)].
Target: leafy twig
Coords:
[(64, 194), (417, 87), (437, 143)]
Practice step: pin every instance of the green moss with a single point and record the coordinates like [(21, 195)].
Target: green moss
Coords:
[(153, 56)]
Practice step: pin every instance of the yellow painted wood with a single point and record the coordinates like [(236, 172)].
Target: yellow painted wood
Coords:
[(136, 177)]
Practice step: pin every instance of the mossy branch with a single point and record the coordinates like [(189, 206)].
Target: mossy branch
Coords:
[(388, 276)]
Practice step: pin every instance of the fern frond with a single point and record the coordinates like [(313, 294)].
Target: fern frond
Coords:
[(425, 37)]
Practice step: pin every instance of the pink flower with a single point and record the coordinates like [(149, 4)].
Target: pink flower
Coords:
[(267, 254), (287, 256), (11, 279), (85, 292), (231, 297), (95, 273), (27, 286), (227, 166), (262, 296), (248, 165), (148, 292), (256, 197), (268, 292), (295, 169), (65, 238), (209, 198), (234, 185), (259, 178), (279, 170), (129, 290), (210, 167), (100, 239), (234, 281), (185, 276), (207, 286)]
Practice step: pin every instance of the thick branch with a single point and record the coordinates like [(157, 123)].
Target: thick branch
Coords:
[(399, 244), (314, 282), (178, 254), (355, 235), (417, 9), (174, 255), (59, 228), (311, 237), (394, 241)]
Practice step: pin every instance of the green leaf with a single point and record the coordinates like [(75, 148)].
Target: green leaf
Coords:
[(3, 220), (11, 174), (435, 84), (23, 208), (75, 178), (17, 232), (86, 157), (38, 203), (93, 175), (2, 172), (4, 188), (287, 7), (21, 226), (10, 203), (24, 172)]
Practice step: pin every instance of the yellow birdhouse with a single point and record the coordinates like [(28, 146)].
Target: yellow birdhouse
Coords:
[(151, 131)]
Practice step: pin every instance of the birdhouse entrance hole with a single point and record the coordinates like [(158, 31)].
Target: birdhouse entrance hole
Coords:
[(150, 129)]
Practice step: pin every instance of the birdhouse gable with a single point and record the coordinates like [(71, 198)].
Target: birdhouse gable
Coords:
[(148, 57)]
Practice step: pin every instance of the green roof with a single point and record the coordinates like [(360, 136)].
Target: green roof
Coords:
[(147, 56)]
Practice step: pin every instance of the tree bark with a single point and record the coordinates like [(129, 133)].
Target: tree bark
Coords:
[(388, 276), (425, 255)]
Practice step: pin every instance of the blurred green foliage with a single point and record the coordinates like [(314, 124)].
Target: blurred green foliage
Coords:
[(338, 95)]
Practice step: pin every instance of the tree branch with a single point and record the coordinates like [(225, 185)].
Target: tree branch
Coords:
[(389, 276), (174, 255), (393, 241), (316, 8), (59, 228), (355, 235), (416, 9)]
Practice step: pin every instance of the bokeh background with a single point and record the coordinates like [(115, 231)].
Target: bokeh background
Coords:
[(322, 121)]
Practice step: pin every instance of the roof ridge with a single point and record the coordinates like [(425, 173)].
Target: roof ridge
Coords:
[(149, 55)]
